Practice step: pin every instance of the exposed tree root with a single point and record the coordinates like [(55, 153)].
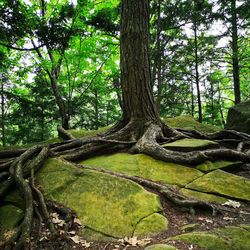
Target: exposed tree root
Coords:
[(17, 167)]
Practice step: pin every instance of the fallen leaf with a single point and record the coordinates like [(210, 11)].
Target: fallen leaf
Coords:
[(77, 221), (230, 203), (76, 239)]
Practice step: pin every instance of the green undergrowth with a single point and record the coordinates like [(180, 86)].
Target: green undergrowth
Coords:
[(107, 205), (77, 133)]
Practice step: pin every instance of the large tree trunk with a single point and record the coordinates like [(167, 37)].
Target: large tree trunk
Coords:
[(236, 74), (138, 103)]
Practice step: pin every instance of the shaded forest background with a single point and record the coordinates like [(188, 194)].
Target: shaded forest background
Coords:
[(59, 63)]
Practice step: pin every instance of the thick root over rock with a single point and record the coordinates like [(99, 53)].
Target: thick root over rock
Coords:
[(17, 167)]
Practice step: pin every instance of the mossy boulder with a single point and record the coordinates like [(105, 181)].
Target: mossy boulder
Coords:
[(190, 144), (146, 167), (208, 166), (155, 221), (10, 216), (160, 247), (204, 240), (231, 237), (239, 117), (107, 206), (223, 183), (189, 227), (188, 122)]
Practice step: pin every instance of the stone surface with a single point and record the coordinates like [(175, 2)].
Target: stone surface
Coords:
[(160, 247), (107, 206), (190, 144), (220, 182), (231, 237), (146, 167), (208, 166), (239, 117)]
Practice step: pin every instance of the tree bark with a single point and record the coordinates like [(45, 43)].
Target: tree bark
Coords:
[(138, 103)]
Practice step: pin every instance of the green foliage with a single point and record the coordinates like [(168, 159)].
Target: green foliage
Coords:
[(80, 53)]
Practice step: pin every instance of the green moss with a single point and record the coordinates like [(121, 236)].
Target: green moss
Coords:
[(220, 182), (188, 122), (160, 247), (231, 237), (189, 227), (204, 240), (10, 216), (106, 204), (14, 197), (191, 144), (156, 222), (208, 166), (202, 196), (245, 226), (146, 167), (239, 237)]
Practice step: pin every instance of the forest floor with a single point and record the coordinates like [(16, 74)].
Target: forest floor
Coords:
[(76, 192)]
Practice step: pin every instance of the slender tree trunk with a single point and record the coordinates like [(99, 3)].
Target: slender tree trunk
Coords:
[(3, 113), (96, 110), (197, 80), (192, 99), (60, 103), (236, 73), (138, 103)]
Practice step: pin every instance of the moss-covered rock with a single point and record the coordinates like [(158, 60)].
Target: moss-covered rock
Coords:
[(108, 206), (202, 196), (208, 166), (190, 144), (146, 167), (189, 227), (204, 240), (160, 247), (238, 237), (220, 182), (10, 216), (155, 221), (188, 122), (233, 238), (239, 117)]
